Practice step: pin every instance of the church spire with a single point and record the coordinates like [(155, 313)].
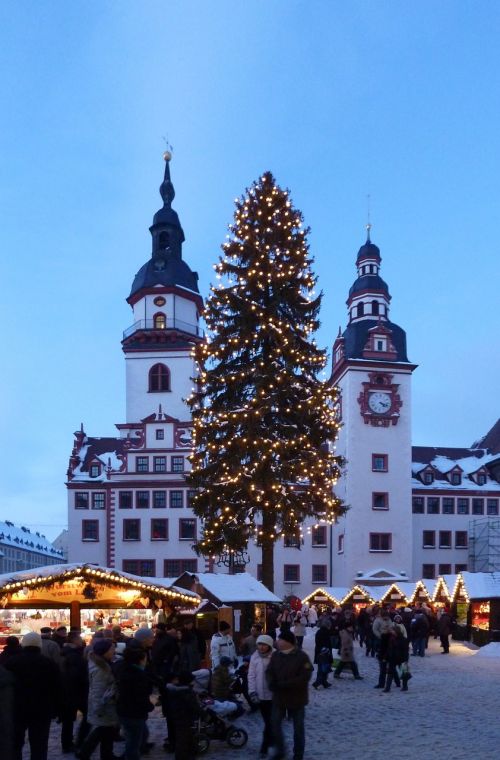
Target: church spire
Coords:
[(167, 191)]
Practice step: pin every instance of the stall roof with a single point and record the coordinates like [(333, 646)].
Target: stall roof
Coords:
[(240, 587), (336, 593), (482, 585), (58, 573)]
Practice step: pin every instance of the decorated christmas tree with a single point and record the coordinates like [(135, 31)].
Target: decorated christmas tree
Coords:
[(264, 424)]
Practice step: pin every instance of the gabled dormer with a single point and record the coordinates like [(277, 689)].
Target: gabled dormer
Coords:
[(427, 475), (379, 344), (480, 477), (455, 475)]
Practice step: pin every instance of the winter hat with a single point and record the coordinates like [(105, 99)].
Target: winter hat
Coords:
[(398, 618), (265, 639), (143, 635), (223, 626), (288, 636), (101, 646), (46, 629), (31, 639)]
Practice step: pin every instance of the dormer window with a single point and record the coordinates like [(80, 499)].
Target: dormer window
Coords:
[(456, 478), (428, 477), (95, 470), (481, 479), (159, 321)]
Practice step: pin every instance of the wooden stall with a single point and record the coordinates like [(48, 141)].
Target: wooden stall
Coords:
[(357, 598), (326, 597)]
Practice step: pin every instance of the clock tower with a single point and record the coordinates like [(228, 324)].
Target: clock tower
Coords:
[(373, 542)]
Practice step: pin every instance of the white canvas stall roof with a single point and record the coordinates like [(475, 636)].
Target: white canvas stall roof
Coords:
[(240, 587), (482, 585), (59, 572), (450, 581)]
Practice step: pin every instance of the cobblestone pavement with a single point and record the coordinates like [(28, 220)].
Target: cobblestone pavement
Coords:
[(450, 711)]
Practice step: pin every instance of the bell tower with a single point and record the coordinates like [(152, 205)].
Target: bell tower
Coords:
[(166, 305), (373, 542)]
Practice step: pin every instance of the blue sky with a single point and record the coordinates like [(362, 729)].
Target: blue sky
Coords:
[(398, 100)]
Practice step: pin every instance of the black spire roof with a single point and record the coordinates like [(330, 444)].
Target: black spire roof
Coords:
[(166, 266)]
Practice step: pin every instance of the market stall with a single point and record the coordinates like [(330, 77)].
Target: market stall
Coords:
[(357, 598), (326, 597), (78, 587), (481, 591)]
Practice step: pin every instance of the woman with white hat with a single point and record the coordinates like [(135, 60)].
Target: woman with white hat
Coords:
[(259, 691)]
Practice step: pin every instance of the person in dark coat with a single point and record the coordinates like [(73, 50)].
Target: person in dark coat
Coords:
[(12, 647), (288, 675), (6, 714), (164, 652), (133, 702), (395, 652), (37, 696), (60, 636), (183, 708), (444, 625), (347, 652), (419, 632), (323, 654), (75, 684)]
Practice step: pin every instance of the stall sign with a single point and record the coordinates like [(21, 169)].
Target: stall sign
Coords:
[(358, 596), (395, 596), (75, 590), (321, 599)]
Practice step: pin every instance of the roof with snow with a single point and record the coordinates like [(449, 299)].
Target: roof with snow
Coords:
[(335, 593), (23, 538), (482, 585), (443, 460), (240, 587)]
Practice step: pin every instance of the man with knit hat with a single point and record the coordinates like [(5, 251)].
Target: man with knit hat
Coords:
[(288, 675), (37, 696)]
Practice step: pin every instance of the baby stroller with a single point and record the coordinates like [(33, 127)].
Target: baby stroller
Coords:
[(213, 726)]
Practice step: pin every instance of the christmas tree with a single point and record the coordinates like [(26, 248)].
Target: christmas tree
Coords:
[(263, 424)]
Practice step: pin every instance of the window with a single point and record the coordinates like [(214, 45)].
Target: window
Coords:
[(160, 434), (380, 542), (160, 464), (433, 505), (159, 378), (380, 344), (492, 506), (90, 530), (319, 535), (375, 311), (98, 500), (360, 309), (142, 499), (172, 568), (95, 470), (379, 463), (187, 530), (259, 572), (478, 506), (444, 569), (456, 478), (175, 499), (291, 573), (159, 499), (159, 321), (340, 544), (428, 571), (159, 529), (292, 542), (177, 464), (380, 501), (429, 539), (142, 464), (81, 500), (163, 241), (125, 499), (460, 539), (190, 496), (445, 539), (318, 574), (131, 530), (462, 506), (428, 478), (460, 568), (417, 505), (481, 479), (448, 506), (145, 567)]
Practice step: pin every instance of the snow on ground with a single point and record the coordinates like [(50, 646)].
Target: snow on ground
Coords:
[(448, 712), (490, 650)]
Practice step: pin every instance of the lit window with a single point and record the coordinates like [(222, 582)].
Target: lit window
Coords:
[(159, 321), (159, 378)]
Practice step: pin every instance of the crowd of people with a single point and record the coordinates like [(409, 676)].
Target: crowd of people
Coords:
[(112, 682)]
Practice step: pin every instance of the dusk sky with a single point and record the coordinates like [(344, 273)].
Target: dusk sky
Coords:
[(396, 100)]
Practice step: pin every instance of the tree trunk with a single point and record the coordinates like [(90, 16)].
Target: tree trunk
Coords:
[(268, 551)]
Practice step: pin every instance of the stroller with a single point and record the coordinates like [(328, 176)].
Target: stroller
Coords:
[(213, 726)]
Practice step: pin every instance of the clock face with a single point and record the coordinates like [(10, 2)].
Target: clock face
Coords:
[(379, 402)]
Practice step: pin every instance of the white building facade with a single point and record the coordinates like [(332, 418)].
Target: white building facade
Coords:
[(409, 508)]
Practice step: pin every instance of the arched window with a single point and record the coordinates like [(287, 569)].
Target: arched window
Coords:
[(375, 307), (163, 240), (360, 309), (159, 378), (159, 321)]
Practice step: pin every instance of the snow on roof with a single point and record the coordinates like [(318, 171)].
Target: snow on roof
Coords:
[(482, 585), (337, 593), (443, 460), (23, 538), (240, 587)]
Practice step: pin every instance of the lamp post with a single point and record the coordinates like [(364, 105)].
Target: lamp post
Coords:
[(233, 559)]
